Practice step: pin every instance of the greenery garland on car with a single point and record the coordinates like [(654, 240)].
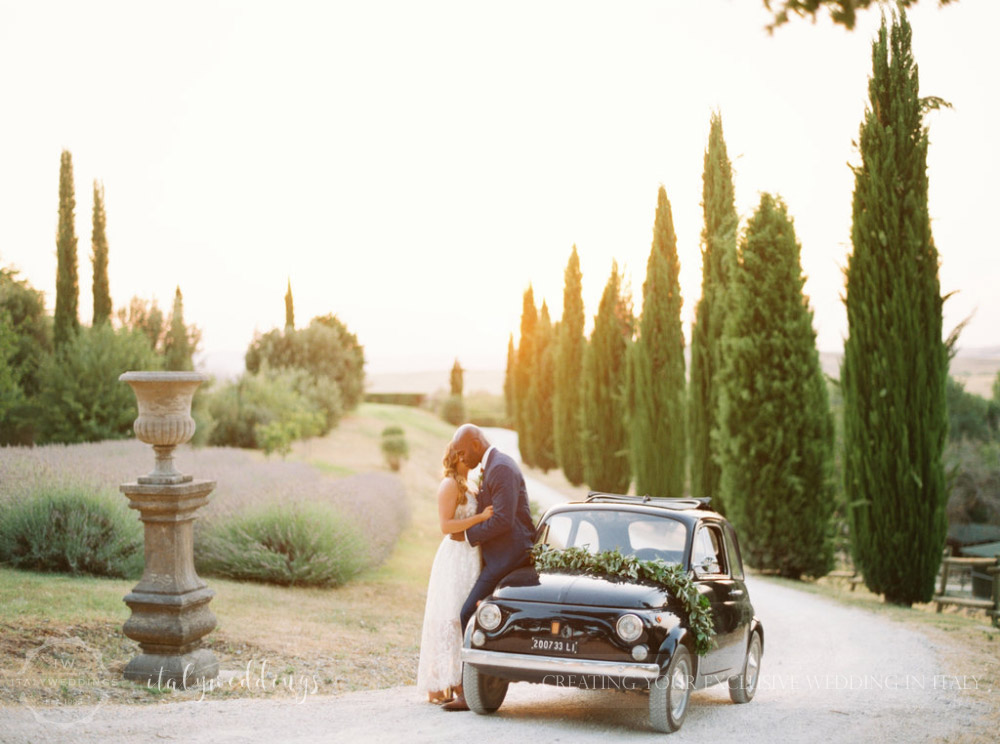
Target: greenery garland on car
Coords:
[(613, 564)]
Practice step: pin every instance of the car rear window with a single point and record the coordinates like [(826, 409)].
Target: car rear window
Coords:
[(643, 535)]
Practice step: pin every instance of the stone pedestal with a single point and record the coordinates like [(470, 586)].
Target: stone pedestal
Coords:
[(169, 605), (170, 613)]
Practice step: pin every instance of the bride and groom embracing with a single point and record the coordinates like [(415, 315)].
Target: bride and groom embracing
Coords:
[(489, 533)]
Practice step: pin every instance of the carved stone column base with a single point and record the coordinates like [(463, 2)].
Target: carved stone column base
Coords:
[(175, 670)]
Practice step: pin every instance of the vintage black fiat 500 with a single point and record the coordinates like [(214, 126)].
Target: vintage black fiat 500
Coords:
[(610, 632)]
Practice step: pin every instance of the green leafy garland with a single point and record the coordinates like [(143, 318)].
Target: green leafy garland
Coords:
[(613, 564)]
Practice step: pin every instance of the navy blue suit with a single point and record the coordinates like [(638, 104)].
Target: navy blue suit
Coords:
[(505, 538)]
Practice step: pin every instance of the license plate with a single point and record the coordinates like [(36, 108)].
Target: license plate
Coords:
[(554, 645)]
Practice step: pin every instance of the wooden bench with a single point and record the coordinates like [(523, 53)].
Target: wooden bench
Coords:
[(992, 605), (852, 577)]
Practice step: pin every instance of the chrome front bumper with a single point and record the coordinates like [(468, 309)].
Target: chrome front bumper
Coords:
[(559, 665)]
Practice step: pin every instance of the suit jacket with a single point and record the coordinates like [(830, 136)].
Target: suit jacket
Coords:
[(507, 536)]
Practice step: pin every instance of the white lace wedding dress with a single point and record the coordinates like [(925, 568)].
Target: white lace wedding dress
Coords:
[(455, 569)]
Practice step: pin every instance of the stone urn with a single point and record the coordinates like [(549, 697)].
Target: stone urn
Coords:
[(170, 613)]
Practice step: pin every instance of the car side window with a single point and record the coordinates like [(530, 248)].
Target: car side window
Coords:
[(587, 537), (735, 559), (707, 554), (557, 531)]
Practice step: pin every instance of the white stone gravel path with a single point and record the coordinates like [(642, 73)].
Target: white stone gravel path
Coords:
[(830, 673)]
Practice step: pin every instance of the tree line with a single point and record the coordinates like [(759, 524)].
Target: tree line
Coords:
[(749, 425), (59, 377)]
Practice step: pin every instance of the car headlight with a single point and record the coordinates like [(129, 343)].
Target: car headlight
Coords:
[(489, 616), (629, 627)]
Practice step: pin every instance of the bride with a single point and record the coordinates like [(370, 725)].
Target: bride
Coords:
[(454, 571)]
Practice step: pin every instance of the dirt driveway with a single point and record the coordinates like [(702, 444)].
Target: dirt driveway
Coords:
[(830, 673)]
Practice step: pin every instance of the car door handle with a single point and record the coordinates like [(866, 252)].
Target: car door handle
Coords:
[(736, 593)]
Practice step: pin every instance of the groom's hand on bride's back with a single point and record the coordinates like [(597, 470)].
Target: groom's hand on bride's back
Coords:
[(458, 536)]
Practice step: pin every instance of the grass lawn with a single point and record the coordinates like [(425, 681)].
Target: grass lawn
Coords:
[(360, 636)]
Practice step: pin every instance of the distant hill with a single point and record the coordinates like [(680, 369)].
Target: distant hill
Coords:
[(977, 368)]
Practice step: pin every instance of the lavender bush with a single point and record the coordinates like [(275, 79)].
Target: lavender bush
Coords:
[(374, 503)]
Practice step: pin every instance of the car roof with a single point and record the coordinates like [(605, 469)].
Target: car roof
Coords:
[(688, 511)]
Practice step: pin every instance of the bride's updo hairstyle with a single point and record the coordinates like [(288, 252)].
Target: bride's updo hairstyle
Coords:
[(451, 461)]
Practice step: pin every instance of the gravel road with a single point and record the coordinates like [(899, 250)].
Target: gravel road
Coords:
[(830, 673)]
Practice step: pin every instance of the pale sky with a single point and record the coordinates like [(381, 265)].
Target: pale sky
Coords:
[(413, 166)]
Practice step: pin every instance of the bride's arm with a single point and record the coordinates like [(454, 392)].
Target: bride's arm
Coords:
[(448, 502)]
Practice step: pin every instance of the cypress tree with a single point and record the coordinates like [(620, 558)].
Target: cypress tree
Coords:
[(457, 382), (99, 244), (541, 392), (567, 406), (525, 370), (895, 363), (606, 462), (775, 426), (718, 257), (656, 384), (289, 309), (67, 320), (178, 350), (508, 381)]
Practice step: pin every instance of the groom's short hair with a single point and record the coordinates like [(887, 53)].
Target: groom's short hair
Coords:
[(467, 431)]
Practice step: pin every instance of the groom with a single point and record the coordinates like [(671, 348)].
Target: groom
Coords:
[(505, 538)]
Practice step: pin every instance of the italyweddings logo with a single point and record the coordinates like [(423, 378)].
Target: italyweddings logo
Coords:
[(251, 679)]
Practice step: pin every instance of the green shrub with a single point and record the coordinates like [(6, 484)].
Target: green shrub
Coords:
[(324, 349), (81, 399), (265, 410), (394, 446), (299, 544), (72, 530), (203, 421), (453, 410)]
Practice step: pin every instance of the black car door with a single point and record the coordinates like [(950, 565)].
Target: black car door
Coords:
[(727, 595)]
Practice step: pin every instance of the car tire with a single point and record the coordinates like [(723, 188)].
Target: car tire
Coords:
[(670, 695), (743, 686), (483, 692)]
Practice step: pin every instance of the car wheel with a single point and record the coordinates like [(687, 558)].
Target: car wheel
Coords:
[(483, 693), (669, 696), (743, 686)]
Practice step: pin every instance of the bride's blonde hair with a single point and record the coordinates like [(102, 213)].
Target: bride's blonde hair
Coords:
[(451, 460)]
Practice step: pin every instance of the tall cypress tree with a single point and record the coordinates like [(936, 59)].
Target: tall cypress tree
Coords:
[(775, 425), (895, 364), (457, 380), (179, 351), (567, 409), (67, 320), (656, 384), (525, 370), (541, 392), (718, 257), (510, 404), (99, 244), (289, 308), (606, 462)]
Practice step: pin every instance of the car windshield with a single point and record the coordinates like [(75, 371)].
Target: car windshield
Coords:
[(646, 536)]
